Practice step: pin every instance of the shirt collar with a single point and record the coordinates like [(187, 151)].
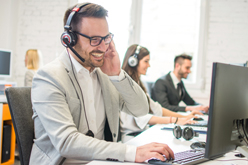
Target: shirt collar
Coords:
[(174, 79), (79, 67)]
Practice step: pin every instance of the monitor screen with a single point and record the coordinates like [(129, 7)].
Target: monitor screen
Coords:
[(5, 63), (228, 109)]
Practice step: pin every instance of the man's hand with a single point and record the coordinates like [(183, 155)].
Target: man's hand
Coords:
[(193, 113), (153, 150), (197, 108), (111, 65)]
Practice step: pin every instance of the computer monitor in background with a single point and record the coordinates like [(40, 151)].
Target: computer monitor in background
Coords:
[(5, 63), (228, 110)]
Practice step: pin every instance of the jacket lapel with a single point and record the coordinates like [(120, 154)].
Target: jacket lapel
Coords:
[(72, 76), (107, 97)]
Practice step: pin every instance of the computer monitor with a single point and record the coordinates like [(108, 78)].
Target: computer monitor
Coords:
[(228, 110), (5, 63)]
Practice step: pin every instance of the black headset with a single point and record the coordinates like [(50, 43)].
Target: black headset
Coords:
[(188, 133), (69, 38), (133, 60)]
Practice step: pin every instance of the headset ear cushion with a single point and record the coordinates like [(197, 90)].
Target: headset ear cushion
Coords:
[(72, 38), (177, 132), (188, 133), (132, 61)]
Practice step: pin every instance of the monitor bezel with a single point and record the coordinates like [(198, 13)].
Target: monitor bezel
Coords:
[(10, 69), (214, 150)]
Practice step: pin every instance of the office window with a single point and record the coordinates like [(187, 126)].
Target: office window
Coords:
[(166, 27), (169, 28)]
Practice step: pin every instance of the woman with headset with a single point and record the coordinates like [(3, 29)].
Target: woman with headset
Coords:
[(136, 63)]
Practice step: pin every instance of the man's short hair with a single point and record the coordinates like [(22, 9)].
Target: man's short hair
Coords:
[(180, 58), (90, 10)]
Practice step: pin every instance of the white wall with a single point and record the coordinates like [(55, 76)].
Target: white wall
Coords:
[(31, 24), (227, 35), (8, 24), (38, 24)]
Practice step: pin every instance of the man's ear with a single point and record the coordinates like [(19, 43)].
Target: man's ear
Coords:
[(177, 66)]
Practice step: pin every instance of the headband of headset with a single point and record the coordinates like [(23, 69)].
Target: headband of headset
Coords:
[(137, 51), (74, 11)]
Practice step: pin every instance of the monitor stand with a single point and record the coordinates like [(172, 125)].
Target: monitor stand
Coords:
[(243, 150)]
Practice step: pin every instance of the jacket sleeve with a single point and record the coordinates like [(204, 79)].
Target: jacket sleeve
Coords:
[(189, 100), (133, 99)]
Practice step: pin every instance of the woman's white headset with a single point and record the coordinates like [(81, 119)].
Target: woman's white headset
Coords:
[(133, 60)]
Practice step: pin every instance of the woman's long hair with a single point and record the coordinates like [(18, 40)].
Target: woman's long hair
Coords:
[(33, 59), (132, 71)]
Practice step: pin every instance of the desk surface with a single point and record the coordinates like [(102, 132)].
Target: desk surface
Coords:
[(155, 134), (3, 99)]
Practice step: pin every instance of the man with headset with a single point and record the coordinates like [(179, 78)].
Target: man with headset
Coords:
[(77, 98), (169, 90)]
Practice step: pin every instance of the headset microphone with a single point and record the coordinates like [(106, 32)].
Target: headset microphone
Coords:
[(65, 40)]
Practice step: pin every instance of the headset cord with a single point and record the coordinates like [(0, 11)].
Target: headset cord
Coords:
[(89, 133)]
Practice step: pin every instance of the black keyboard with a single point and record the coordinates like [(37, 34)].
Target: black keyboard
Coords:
[(188, 157)]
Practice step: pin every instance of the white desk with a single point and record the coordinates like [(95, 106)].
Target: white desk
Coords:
[(155, 134)]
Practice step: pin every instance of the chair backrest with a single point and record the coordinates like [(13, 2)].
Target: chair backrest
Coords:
[(148, 85), (19, 100)]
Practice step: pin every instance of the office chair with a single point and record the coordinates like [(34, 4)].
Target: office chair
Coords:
[(148, 85), (19, 100)]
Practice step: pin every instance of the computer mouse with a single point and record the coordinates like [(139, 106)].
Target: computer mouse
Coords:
[(239, 155), (197, 145), (156, 161), (198, 119)]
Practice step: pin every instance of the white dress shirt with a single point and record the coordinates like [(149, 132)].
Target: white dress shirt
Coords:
[(94, 105), (174, 79), (175, 82)]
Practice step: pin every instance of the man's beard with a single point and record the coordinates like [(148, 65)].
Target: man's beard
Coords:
[(182, 74), (95, 63)]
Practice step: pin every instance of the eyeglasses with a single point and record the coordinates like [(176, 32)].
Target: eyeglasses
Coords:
[(96, 40)]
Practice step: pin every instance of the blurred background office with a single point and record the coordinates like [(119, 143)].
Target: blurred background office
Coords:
[(209, 30)]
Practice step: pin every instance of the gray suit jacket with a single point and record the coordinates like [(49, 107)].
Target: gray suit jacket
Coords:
[(59, 123), (164, 92)]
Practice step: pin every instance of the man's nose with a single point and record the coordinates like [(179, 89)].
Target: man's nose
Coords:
[(102, 46)]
